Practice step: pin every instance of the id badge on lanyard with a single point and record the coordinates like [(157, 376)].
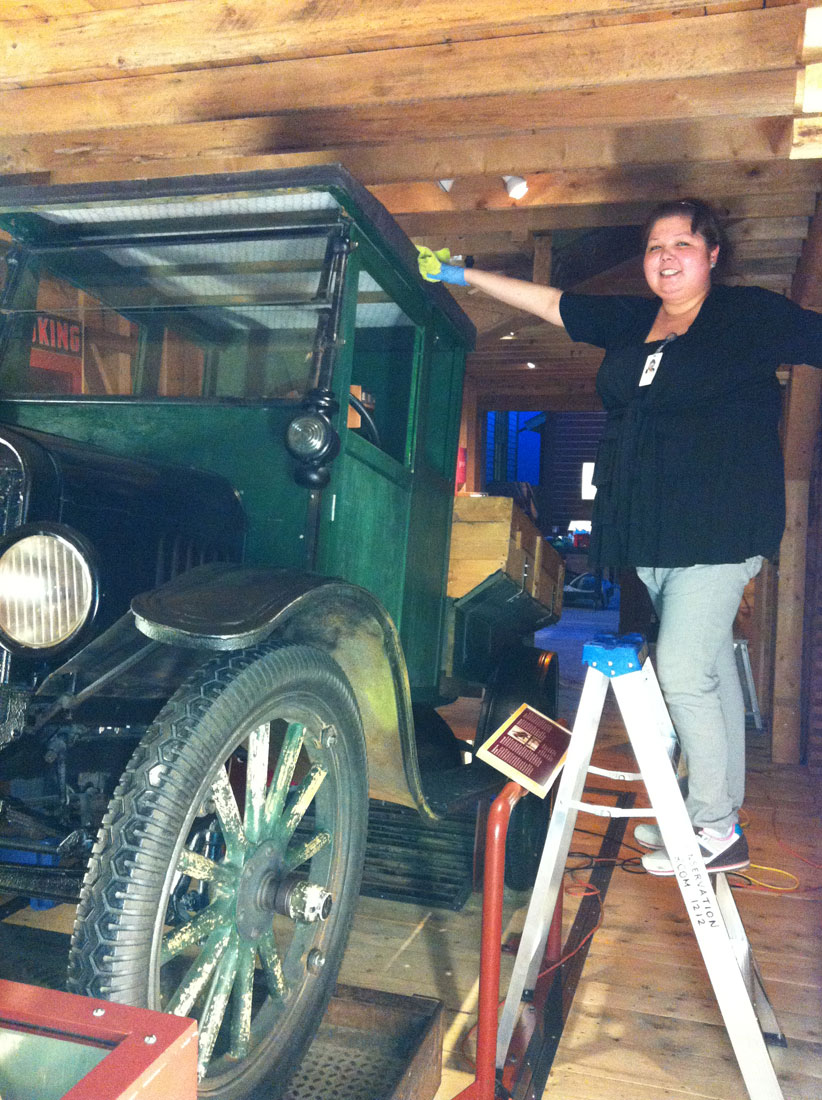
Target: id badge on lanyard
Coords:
[(653, 361)]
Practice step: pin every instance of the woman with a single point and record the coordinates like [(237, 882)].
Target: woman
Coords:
[(690, 484)]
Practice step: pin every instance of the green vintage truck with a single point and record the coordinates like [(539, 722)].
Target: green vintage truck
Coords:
[(229, 411)]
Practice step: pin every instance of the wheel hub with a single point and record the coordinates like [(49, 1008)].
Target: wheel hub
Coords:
[(256, 891), (301, 900), (263, 891)]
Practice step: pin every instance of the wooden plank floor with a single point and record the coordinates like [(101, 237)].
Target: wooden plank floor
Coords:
[(644, 1024)]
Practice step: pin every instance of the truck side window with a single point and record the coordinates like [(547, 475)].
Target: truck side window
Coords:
[(215, 318), (385, 346), (65, 341)]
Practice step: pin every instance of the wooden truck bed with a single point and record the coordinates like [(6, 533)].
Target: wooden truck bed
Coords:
[(492, 533), (504, 582)]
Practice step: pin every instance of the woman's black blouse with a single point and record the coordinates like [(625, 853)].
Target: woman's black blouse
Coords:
[(689, 470)]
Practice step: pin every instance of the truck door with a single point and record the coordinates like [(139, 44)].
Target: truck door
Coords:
[(387, 512), (366, 507)]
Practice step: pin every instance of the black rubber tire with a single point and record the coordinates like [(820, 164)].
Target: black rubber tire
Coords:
[(172, 781), (525, 675), (525, 840)]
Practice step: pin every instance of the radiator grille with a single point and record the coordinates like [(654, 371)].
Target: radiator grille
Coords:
[(177, 553)]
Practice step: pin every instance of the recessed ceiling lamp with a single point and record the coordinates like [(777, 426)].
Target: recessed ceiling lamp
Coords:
[(445, 185), (531, 366), (516, 187)]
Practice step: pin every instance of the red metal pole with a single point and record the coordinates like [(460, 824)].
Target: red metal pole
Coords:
[(484, 1085)]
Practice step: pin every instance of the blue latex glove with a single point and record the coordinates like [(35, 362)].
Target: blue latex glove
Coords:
[(434, 269), (449, 273)]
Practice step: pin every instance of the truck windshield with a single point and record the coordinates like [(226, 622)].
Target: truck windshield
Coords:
[(228, 316)]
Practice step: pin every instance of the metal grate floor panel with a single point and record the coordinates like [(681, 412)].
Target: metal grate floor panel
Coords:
[(409, 861), (349, 1064)]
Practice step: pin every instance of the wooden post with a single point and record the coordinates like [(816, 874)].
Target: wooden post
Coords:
[(542, 259), (762, 635), (801, 429)]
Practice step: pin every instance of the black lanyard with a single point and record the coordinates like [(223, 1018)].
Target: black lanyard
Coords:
[(653, 361)]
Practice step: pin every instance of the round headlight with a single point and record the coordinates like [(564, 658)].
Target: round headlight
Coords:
[(47, 591), (309, 436)]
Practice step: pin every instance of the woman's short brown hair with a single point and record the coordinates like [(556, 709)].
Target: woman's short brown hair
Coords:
[(704, 221)]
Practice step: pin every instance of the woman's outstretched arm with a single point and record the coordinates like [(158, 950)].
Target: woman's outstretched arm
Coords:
[(530, 297)]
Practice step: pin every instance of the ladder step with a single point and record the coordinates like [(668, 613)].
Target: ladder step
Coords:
[(608, 811), (621, 777)]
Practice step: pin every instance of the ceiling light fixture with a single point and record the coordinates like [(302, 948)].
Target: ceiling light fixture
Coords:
[(531, 366), (445, 185), (516, 187), (508, 336)]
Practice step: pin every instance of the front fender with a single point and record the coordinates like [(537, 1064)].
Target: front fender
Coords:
[(227, 606)]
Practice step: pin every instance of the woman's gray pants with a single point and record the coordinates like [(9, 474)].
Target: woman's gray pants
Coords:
[(696, 668)]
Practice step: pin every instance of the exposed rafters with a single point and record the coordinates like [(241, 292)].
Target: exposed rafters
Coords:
[(605, 106)]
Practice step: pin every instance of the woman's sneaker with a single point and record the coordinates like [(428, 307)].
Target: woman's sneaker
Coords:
[(719, 853), (648, 836)]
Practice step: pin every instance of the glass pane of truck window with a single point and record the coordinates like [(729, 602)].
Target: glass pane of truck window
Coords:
[(385, 342), (204, 318)]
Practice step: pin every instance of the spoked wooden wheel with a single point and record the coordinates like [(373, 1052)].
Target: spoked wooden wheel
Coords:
[(224, 878)]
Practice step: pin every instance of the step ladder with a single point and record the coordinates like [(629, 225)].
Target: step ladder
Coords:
[(743, 667), (623, 663)]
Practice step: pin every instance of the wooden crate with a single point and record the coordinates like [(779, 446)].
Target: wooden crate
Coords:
[(491, 533)]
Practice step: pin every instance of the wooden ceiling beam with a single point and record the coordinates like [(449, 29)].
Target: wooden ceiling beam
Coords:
[(542, 379), (441, 226), (80, 43), (510, 403), (739, 42), (545, 397), (784, 264), (705, 140), (528, 383), (535, 338), (759, 249), (545, 402), (806, 138), (513, 353), (605, 105), (566, 358), (604, 185), (471, 244), (490, 318), (21, 11), (485, 368), (750, 229), (25, 11)]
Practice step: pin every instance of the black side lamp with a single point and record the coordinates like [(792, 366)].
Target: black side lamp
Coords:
[(312, 440)]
